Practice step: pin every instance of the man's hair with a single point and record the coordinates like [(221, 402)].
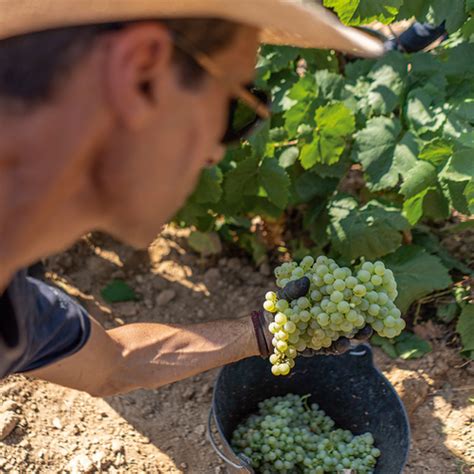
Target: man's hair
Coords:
[(31, 65)]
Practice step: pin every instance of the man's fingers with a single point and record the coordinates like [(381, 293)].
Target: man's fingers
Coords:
[(364, 334), (294, 289)]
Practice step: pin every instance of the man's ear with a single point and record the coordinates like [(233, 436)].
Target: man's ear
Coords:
[(135, 59)]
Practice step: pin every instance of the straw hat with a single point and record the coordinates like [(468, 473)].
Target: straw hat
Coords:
[(302, 23)]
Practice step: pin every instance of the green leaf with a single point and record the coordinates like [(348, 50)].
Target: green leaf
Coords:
[(334, 122), (361, 12), (417, 274), (410, 346), (437, 151), (413, 207), (422, 112), (447, 312), (455, 177), (288, 156), (274, 179), (118, 291), (382, 158), (469, 194), (465, 328), (209, 188), (310, 185), (371, 231), (206, 243), (452, 12), (422, 176), (385, 344), (330, 84), (388, 82), (242, 180)]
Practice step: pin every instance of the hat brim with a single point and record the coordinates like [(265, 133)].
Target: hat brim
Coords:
[(290, 22)]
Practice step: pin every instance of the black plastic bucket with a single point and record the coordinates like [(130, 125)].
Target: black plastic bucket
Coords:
[(347, 387)]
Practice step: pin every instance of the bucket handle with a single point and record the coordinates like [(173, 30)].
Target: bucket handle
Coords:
[(217, 450)]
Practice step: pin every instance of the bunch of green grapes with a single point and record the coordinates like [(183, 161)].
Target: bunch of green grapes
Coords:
[(339, 303), (288, 436)]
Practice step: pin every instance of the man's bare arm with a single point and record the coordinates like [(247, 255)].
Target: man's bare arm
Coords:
[(150, 355)]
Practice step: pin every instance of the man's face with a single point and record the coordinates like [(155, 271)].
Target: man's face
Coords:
[(150, 169)]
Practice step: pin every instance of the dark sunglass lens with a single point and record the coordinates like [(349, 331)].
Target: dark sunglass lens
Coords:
[(242, 118)]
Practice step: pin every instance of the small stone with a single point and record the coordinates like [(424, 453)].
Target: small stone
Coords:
[(57, 423), (117, 446), (8, 422), (165, 297), (98, 456), (3, 461), (80, 463), (265, 269), (212, 275), (183, 465), (8, 405), (234, 263), (200, 430), (222, 262)]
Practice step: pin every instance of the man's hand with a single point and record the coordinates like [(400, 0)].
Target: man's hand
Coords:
[(294, 290)]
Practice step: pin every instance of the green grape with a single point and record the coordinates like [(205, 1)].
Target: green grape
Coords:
[(359, 290), (382, 298), (274, 358), (282, 346), (281, 336), (389, 321), (289, 327), (351, 282), (343, 307), (368, 266), (303, 302), (339, 285), (323, 319), (281, 305), (305, 316), (328, 278), (271, 296), (269, 306), (274, 327), (316, 295), (321, 270), (336, 296), (374, 309), (281, 318), (379, 269), (390, 332), (363, 276), (340, 273), (372, 296), (331, 307), (376, 280)]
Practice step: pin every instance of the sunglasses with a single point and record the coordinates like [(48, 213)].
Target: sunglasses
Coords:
[(249, 106)]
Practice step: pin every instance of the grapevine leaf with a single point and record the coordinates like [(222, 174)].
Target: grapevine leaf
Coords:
[(431, 244), (385, 344), (361, 12), (413, 207), (302, 112), (465, 328), (330, 84), (371, 231), (118, 291), (209, 188), (334, 123), (452, 12), (469, 194), (437, 151), (422, 176), (435, 205), (382, 159), (259, 140), (455, 177), (275, 181), (206, 243), (447, 312), (422, 112), (410, 346), (243, 179), (310, 185), (388, 80), (417, 274)]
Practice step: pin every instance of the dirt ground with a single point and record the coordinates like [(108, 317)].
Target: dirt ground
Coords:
[(163, 431)]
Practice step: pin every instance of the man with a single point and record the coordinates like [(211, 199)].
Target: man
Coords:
[(109, 110)]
